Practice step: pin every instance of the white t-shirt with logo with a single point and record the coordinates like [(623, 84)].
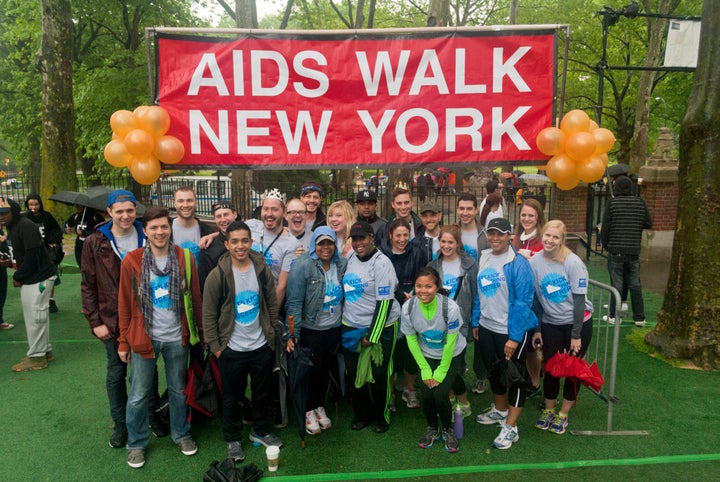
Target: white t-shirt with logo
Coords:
[(247, 334), (188, 238), (281, 252), (493, 294), (555, 284), (165, 323), (364, 284)]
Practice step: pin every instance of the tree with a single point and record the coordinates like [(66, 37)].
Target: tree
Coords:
[(58, 123), (689, 321)]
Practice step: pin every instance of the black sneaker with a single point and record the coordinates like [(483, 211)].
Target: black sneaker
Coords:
[(118, 438), (235, 452), (266, 440), (158, 426), (53, 306)]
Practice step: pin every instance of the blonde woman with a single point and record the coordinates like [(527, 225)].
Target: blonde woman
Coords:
[(340, 217), (561, 281)]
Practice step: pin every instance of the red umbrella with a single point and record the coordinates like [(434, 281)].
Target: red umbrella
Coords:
[(564, 365)]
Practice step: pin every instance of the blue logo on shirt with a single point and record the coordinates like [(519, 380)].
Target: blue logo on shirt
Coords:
[(554, 287), (353, 287), (384, 290), (489, 282), (160, 289), (247, 307), (472, 251), (333, 293), (433, 338), (582, 283), (268, 256), (194, 248), (450, 283)]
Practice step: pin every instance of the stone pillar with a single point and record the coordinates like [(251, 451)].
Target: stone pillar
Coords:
[(658, 182)]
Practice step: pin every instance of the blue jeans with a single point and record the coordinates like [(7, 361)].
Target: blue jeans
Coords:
[(626, 268), (142, 373)]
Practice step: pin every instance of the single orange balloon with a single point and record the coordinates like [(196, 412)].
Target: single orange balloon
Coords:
[(122, 122), (139, 143), (117, 155), (550, 141), (575, 121), (580, 145), (593, 125), (567, 184), (590, 169), (604, 140), (169, 149), (560, 167), (145, 171), (155, 120)]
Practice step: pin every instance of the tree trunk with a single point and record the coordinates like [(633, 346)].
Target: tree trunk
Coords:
[(438, 13), (653, 57), (58, 121), (689, 321)]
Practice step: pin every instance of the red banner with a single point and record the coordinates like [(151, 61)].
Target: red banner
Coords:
[(346, 100)]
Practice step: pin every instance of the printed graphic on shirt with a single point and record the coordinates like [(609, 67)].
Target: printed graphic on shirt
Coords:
[(333, 293), (268, 255), (489, 281), (450, 283), (194, 248), (353, 287), (471, 250), (433, 338), (383, 290), (159, 287), (247, 307), (582, 283), (554, 287)]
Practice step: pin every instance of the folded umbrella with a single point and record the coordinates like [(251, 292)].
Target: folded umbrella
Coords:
[(509, 373), (565, 365), (299, 364)]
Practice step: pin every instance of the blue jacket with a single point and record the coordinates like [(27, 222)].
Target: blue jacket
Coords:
[(306, 283), (521, 288)]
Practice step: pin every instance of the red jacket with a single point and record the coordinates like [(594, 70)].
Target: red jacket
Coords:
[(130, 318)]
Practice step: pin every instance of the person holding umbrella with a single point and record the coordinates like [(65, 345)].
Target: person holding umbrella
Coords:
[(565, 314), (82, 222), (314, 297), (431, 324)]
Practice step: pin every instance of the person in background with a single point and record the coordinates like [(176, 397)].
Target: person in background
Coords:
[(370, 319), (491, 209), (520, 193), (366, 205), (295, 219), (314, 300), (458, 272), (239, 313), (34, 275), (4, 257), (565, 313), (528, 242), (626, 215), (224, 214), (493, 186), (312, 195), (431, 215), (52, 236), (503, 322), (431, 324), (402, 205), (82, 222), (152, 321), (187, 230), (340, 217)]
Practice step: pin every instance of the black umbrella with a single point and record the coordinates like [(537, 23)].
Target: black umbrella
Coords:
[(618, 170), (509, 373), (299, 364), (96, 197), (67, 197)]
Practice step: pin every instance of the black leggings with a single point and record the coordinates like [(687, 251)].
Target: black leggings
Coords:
[(436, 401), (324, 345), (492, 347), (556, 338)]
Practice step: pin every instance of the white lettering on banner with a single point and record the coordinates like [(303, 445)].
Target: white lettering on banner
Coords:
[(383, 66), (452, 131), (219, 141), (501, 69), (303, 70), (500, 128), (376, 131), (238, 73), (216, 80), (304, 124), (461, 87), (401, 129), (429, 59), (257, 57), (244, 131)]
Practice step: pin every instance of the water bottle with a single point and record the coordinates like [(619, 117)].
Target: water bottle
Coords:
[(458, 422)]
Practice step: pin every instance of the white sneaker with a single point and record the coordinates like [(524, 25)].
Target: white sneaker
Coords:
[(322, 418), (640, 323), (609, 319), (507, 436), (311, 423), (491, 416), (624, 307)]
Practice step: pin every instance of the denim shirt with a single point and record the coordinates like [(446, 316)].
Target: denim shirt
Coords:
[(306, 289)]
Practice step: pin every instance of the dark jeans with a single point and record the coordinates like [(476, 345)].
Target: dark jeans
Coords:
[(115, 382), (624, 269), (324, 345), (556, 338), (436, 401), (3, 290), (235, 366), (370, 401)]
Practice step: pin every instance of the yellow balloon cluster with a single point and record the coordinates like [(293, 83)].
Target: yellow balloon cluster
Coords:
[(578, 149), (139, 142)]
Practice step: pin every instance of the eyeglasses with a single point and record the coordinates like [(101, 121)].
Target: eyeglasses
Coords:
[(296, 213)]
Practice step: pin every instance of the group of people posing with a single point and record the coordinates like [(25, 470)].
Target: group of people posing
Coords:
[(398, 301)]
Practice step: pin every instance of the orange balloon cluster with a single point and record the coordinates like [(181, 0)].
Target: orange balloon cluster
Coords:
[(139, 142), (578, 149)]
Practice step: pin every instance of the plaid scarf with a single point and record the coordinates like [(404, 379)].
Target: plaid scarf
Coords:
[(174, 284)]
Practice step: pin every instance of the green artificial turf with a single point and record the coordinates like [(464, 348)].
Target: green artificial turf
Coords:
[(55, 424)]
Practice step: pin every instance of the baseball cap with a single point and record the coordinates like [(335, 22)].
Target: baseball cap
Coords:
[(432, 207), (361, 228), (500, 224), (4, 205), (366, 195), (120, 196), (324, 237), (223, 205)]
